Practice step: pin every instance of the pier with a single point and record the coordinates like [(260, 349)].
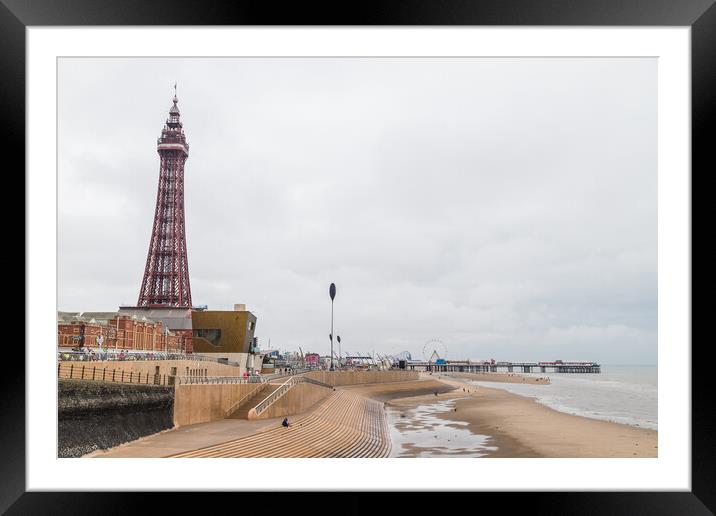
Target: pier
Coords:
[(454, 366)]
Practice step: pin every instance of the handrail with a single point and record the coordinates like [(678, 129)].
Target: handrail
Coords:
[(276, 376), (203, 380), (234, 379), (308, 379), (264, 404), (113, 355), (100, 372), (243, 399), (285, 386)]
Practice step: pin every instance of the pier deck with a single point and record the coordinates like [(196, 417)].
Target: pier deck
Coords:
[(510, 367)]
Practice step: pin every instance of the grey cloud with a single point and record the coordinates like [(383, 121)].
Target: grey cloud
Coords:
[(505, 206)]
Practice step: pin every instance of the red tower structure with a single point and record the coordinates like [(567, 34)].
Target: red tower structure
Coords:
[(166, 274)]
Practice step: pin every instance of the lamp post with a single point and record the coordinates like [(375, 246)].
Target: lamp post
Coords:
[(340, 357), (332, 292)]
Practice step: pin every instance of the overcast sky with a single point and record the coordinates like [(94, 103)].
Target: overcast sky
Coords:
[(507, 207)]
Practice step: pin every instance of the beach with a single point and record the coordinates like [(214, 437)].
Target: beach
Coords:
[(433, 416), (494, 377), (519, 427)]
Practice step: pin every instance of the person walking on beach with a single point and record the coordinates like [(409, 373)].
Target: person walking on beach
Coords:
[(285, 422)]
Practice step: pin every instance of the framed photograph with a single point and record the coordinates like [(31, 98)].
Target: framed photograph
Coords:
[(423, 249)]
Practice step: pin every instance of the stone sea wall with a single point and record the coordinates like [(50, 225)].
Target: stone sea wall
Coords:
[(98, 415)]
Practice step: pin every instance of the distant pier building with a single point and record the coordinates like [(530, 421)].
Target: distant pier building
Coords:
[(492, 366)]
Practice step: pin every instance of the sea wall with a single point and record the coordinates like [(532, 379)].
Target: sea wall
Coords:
[(299, 398), (98, 415), (336, 378), (201, 403)]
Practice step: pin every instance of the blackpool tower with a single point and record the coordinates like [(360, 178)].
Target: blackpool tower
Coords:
[(166, 274)]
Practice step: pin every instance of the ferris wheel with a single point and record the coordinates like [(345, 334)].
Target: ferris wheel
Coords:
[(433, 350)]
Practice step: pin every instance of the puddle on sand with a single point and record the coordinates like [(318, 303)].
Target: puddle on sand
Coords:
[(419, 432)]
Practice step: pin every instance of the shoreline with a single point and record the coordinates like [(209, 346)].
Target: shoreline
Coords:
[(521, 427), (496, 377), (473, 417)]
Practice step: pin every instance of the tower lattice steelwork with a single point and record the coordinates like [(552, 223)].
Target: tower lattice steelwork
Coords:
[(166, 274)]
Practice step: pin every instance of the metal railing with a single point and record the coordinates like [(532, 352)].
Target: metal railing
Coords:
[(307, 379), (114, 356), (243, 400), (266, 402), (283, 389), (73, 371), (293, 372), (92, 356), (206, 380), (237, 379), (203, 358)]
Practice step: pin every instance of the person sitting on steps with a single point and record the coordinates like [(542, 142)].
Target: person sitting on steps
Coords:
[(285, 422)]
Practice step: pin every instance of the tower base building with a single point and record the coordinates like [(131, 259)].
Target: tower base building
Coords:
[(227, 336)]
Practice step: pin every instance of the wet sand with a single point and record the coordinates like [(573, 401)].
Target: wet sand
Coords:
[(487, 443), (390, 391), (495, 377), (519, 426)]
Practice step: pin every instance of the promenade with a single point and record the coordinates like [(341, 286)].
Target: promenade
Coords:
[(343, 425)]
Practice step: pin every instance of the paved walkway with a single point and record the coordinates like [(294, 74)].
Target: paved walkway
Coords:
[(186, 438), (343, 425)]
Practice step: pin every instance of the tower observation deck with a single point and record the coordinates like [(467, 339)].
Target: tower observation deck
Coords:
[(166, 274)]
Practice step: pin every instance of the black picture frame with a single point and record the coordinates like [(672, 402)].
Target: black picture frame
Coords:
[(700, 15)]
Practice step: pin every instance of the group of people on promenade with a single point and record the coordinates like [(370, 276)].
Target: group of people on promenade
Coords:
[(251, 374), (89, 354)]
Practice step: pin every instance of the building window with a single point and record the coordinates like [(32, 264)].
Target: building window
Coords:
[(213, 335)]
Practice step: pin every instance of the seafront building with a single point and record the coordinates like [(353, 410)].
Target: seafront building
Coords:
[(116, 331), (227, 335), (312, 359), (220, 335), (176, 319)]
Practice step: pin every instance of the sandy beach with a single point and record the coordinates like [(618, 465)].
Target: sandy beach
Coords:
[(495, 377), (390, 391), (520, 427), (439, 416)]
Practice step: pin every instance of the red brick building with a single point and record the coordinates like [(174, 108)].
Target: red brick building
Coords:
[(117, 331), (177, 319)]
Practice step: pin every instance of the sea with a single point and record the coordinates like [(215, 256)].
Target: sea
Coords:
[(620, 393)]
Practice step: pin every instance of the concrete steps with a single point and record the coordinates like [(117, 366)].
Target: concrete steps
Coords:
[(343, 425), (242, 412)]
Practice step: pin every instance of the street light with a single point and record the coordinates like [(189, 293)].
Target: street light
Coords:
[(332, 293), (340, 357)]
